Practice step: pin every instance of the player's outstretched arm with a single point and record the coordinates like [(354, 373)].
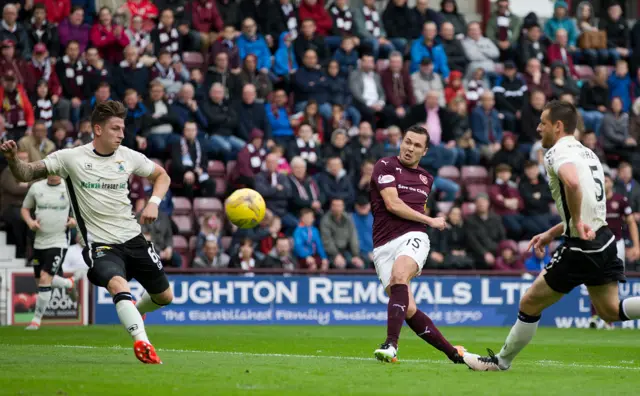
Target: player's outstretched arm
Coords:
[(633, 233), (22, 171), (568, 174), (394, 204)]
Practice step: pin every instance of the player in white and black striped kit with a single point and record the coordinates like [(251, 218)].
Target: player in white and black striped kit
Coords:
[(97, 176), (50, 201)]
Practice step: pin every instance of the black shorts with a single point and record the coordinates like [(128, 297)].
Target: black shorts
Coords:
[(592, 263), (134, 259), (48, 260)]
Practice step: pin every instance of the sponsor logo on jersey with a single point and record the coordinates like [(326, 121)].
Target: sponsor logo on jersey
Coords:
[(103, 186), (384, 179), (88, 166), (424, 179)]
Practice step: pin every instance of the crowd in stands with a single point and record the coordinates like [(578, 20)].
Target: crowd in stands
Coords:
[(298, 100)]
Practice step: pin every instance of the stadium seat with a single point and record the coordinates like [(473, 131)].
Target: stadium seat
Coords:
[(193, 60), (180, 244), (381, 135), (181, 206), (445, 207), (225, 243), (474, 189), (221, 187), (216, 169), (449, 172), (584, 72), (202, 206), (468, 208), (230, 167), (474, 174), (184, 224)]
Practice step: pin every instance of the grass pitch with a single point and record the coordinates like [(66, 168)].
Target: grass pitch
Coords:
[(295, 360)]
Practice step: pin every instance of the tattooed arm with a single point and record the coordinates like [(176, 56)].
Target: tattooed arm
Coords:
[(21, 170)]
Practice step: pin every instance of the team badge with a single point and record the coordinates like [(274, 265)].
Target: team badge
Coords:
[(88, 166), (424, 179), (615, 205), (121, 168), (62, 197)]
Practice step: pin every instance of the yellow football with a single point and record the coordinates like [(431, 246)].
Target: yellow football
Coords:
[(245, 208)]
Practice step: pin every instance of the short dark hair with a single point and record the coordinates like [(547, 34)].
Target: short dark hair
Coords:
[(307, 20), (503, 168), (103, 84), (305, 211), (76, 8), (420, 130), (39, 6), (106, 110), (529, 164), (40, 122), (564, 112)]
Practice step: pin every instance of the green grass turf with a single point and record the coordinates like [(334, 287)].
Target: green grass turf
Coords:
[(270, 360)]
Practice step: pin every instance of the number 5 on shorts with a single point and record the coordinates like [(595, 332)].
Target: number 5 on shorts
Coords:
[(415, 242)]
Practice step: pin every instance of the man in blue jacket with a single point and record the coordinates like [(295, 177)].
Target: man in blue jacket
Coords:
[(250, 42), (485, 126), (310, 82), (428, 47)]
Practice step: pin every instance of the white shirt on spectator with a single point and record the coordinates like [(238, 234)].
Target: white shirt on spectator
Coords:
[(370, 91)]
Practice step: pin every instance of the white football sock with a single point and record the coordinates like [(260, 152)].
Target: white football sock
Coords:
[(630, 308), (61, 283), (519, 337), (44, 295), (130, 317), (146, 304)]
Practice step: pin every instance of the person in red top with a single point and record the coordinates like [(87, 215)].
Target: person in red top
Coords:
[(145, 8), (559, 51), (314, 9), (508, 257), (205, 19), (507, 202), (398, 88), (15, 107), (41, 68), (454, 88), (9, 61), (57, 10), (108, 37), (250, 161)]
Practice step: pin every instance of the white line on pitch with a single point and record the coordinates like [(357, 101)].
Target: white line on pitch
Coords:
[(541, 363)]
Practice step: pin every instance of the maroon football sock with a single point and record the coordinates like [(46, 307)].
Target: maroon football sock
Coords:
[(593, 310), (396, 312), (422, 325)]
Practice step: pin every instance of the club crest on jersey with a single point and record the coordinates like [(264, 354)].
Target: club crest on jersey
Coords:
[(614, 205), (62, 197), (88, 166), (424, 179), (121, 168)]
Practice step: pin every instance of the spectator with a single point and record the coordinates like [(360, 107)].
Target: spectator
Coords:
[(423, 14), (40, 31), (347, 56), (510, 155), (166, 36), (561, 20), (337, 147), (626, 185), (504, 28), (131, 73), (160, 233), (453, 49), (276, 190), (620, 84), (281, 255), (426, 80), (258, 78), (509, 92), (16, 107), (343, 24), (397, 86), (531, 112), (205, 20), (210, 229), (305, 147), (169, 73), (285, 63), (340, 238), (305, 191), (484, 232), (536, 78), (536, 196), (367, 91), (462, 130), (428, 46), (508, 257), (450, 14), (211, 257), (507, 202), (139, 37), (229, 12), (74, 29), (311, 116), (59, 138), (398, 20), (539, 260), (634, 120), (339, 93), (275, 231), (252, 115), (335, 183), (189, 165), (226, 43), (307, 244), (258, 11), (363, 178), (37, 145), (9, 62), (133, 123), (532, 47), (108, 37), (11, 29), (454, 241), (364, 147), (160, 122), (220, 73), (223, 123), (246, 259), (42, 105), (144, 8), (282, 19), (370, 29), (58, 9), (590, 141), (250, 160), (186, 109), (315, 11), (454, 88), (13, 192), (96, 70), (250, 42), (559, 52), (278, 117), (255, 234), (102, 94), (561, 81), (475, 85), (594, 98), (615, 132), (485, 126), (310, 40), (481, 52), (585, 18), (85, 134), (618, 43), (363, 223)]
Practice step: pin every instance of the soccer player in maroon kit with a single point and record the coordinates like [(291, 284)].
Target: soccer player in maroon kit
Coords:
[(618, 213), (399, 193)]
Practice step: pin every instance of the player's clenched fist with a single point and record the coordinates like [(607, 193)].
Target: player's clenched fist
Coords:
[(9, 149), (149, 214), (438, 223)]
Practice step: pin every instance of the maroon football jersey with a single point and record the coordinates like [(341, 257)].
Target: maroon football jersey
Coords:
[(414, 187), (617, 211)]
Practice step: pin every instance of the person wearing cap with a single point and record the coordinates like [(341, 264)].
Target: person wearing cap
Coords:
[(510, 90), (503, 28), (9, 61), (485, 232), (531, 46), (41, 68), (453, 48), (16, 107), (428, 45), (561, 20), (41, 31), (425, 80), (250, 161), (480, 50), (11, 29)]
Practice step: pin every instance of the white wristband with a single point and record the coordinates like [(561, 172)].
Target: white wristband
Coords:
[(155, 200)]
